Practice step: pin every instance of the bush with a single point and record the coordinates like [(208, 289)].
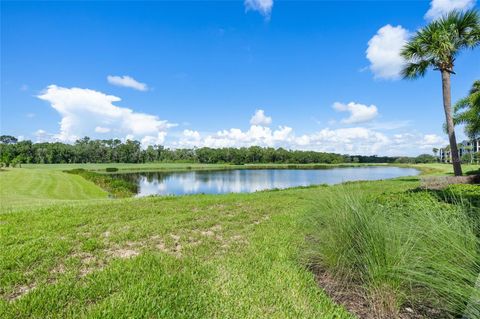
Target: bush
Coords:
[(468, 192), (111, 169), (114, 186), (425, 158), (399, 250)]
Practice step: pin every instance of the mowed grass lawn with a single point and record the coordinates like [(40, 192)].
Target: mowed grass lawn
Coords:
[(26, 187), (201, 256)]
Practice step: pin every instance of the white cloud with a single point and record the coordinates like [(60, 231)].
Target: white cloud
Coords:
[(195, 135), (259, 118), (415, 143), (127, 81), (384, 48), (352, 140), (383, 51), (359, 113), (355, 140), (440, 7), (85, 111), (430, 141), (159, 139), (262, 6), (234, 137), (43, 136), (100, 129), (389, 125)]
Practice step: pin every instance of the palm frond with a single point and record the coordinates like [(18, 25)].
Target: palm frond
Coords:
[(467, 111), (414, 70), (475, 87), (438, 43), (462, 104)]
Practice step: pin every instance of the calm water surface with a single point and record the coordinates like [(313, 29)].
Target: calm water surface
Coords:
[(251, 180)]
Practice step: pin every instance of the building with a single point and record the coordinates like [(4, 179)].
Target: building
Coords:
[(465, 147)]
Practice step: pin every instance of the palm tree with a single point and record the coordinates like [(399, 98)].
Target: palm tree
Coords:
[(437, 45), (467, 111), (435, 152)]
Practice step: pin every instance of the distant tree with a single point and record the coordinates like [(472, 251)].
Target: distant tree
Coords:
[(8, 139), (467, 111), (405, 160), (436, 46), (86, 150), (435, 152), (425, 158)]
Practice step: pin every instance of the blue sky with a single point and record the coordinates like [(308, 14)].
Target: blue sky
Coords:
[(319, 75)]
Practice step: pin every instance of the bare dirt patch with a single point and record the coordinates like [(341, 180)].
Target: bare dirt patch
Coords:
[(174, 249), (59, 269), (124, 253), (207, 233), (261, 220), (355, 300), (440, 182), (128, 250), (21, 291)]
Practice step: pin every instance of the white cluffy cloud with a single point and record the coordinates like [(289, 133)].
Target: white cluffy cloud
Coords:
[(415, 143), (383, 51), (384, 48), (351, 140), (84, 111), (127, 81), (440, 7), (234, 137), (262, 6), (43, 136), (354, 140), (359, 113), (259, 118), (100, 129)]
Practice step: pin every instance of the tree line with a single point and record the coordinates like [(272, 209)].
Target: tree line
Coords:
[(86, 150)]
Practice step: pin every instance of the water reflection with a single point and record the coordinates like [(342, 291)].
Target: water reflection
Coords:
[(244, 181)]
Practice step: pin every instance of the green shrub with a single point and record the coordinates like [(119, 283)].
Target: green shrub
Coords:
[(111, 169), (468, 192), (115, 186), (399, 250)]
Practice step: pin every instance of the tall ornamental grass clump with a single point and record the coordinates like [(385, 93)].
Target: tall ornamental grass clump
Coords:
[(400, 250)]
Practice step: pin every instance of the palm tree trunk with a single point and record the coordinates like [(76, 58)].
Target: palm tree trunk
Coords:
[(447, 105)]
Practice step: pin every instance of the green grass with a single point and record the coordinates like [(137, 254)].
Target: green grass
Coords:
[(232, 256), (116, 187), (201, 256), (22, 188), (446, 169)]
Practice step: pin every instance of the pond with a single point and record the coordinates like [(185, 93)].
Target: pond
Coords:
[(251, 180)]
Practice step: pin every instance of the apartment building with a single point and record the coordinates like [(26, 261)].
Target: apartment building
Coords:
[(465, 147)]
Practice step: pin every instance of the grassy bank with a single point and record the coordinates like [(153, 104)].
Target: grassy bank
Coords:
[(117, 188), (22, 187), (232, 256), (200, 256)]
